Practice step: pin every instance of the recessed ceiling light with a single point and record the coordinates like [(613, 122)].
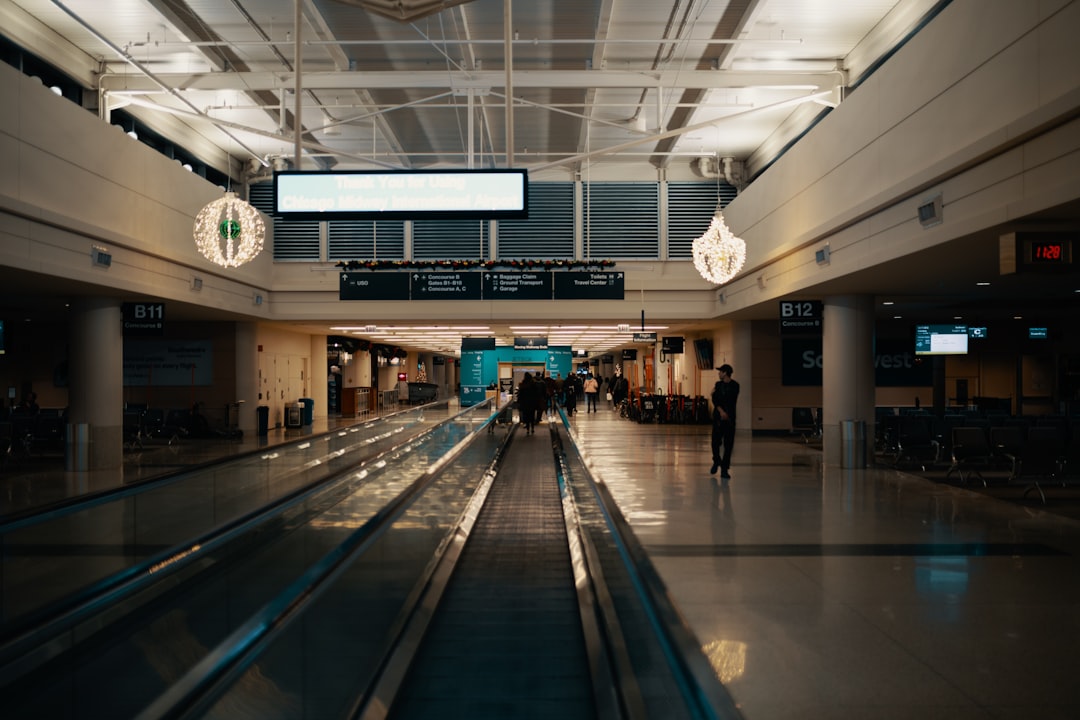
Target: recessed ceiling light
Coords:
[(897, 317), (888, 302), (982, 284)]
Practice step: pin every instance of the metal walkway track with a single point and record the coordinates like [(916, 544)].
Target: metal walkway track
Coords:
[(506, 640), (442, 590)]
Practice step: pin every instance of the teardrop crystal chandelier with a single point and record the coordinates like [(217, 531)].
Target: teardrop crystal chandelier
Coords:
[(718, 254), (229, 231)]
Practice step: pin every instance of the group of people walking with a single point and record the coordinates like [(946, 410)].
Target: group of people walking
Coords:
[(542, 394), (539, 394)]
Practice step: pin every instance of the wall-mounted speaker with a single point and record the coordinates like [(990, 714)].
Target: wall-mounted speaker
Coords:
[(930, 212), (100, 256)]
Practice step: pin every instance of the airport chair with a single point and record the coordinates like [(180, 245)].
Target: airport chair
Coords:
[(1041, 459), (805, 423), (915, 442), (133, 430), (971, 453), (1007, 442)]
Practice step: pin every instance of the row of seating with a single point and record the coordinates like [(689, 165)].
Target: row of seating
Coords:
[(1030, 450), (143, 425), (26, 434), (1033, 456)]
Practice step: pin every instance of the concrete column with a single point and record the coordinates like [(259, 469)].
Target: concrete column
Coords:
[(847, 370), (96, 391), (320, 370), (247, 376)]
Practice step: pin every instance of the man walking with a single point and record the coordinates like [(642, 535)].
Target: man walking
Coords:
[(725, 397)]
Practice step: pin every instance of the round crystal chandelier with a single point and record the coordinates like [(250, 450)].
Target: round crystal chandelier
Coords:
[(718, 254), (229, 231)]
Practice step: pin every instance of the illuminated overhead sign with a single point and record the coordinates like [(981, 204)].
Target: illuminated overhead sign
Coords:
[(401, 195)]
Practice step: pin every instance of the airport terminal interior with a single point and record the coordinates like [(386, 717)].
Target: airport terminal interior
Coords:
[(301, 303)]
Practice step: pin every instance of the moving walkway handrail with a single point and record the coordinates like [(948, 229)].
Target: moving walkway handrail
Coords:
[(615, 686), (210, 678), (18, 652), (706, 695), (143, 520), (86, 501)]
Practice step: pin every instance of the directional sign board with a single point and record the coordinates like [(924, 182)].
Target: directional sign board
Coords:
[(517, 286), (368, 285), (531, 343), (589, 285), (445, 286)]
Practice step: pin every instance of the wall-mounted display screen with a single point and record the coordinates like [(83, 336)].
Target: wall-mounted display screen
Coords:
[(672, 345), (1038, 333), (941, 339), (401, 194), (703, 353), (977, 333)]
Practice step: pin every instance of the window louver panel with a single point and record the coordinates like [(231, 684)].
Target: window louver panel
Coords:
[(365, 240), (450, 239), (622, 220), (549, 231), (690, 209), (295, 240)]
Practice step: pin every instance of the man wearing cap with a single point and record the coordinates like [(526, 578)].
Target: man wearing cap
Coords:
[(725, 397)]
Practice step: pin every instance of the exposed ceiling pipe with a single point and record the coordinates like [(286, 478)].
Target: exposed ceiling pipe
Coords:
[(509, 52), (615, 149), (477, 41), (298, 57), (310, 145), (146, 72), (660, 59)]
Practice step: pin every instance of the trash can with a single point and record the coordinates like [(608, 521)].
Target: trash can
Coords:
[(852, 444), (309, 410), (294, 415), (77, 451), (262, 418)]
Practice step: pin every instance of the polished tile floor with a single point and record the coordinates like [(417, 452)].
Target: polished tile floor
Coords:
[(818, 593), (827, 594)]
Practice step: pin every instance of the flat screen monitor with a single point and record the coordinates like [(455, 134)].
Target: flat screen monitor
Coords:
[(703, 353), (402, 194), (941, 339), (672, 345), (977, 333), (1038, 333)]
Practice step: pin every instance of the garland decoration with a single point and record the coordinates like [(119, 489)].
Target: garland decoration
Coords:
[(472, 264)]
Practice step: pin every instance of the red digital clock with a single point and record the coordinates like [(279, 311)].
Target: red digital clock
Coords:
[(1052, 252), (1049, 252)]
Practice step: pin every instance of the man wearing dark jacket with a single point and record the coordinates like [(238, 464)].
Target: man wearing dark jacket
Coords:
[(725, 397)]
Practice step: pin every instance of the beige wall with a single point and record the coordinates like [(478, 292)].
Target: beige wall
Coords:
[(74, 182), (986, 118), (285, 372)]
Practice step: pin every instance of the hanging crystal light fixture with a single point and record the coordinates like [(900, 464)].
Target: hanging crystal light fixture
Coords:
[(718, 254), (229, 231)]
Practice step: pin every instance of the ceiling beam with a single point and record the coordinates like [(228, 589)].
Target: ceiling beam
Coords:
[(486, 79)]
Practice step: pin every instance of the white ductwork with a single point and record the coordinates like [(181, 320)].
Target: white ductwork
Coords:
[(706, 167), (735, 173)]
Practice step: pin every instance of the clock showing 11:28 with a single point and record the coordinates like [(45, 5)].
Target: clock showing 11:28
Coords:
[(1048, 252)]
